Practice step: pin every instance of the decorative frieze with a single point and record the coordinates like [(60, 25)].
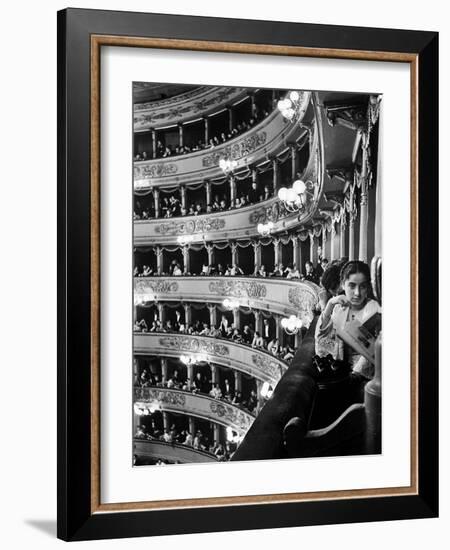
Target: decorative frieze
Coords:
[(232, 415), (144, 286), (166, 397), (238, 289), (272, 368), (190, 227), (159, 170), (194, 345), (236, 151), (305, 301)]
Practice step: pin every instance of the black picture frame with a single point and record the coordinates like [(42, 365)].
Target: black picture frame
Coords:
[(78, 518)]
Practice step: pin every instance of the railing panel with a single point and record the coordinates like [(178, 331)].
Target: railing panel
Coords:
[(256, 363), (281, 296), (192, 404), (173, 452)]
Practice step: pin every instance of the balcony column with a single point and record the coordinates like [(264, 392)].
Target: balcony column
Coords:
[(333, 242), (159, 260), (183, 196), (257, 255), (190, 375), (297, 252), (208, 192), (191, 425), (180, 135), (234, 254), (274, 99), (237, 381), (275, 168), (156, 201), (277, 251), (312, 251), (153, 143), (237, 318), (258, 322), (352, 215), (259, 385), (232, 189), (230, 118), (216, 433), (206, 121), (279, 331), (255, 176), (161, 313), (186, 259), (214, 375), (342, 249), (163, 370), (324, 241), (187, 314), (166, 421), (363, 221), (294, 161), (252, 104), (210, 250), (212, 315)]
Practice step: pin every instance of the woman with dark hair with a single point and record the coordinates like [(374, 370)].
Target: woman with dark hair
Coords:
[(356, 304), (330, 284)]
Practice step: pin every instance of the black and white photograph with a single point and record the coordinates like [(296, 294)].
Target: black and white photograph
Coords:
[(256, 274)]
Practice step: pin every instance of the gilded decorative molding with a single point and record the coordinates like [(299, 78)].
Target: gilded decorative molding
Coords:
[(269, 366), (165, 397), (191, 226), (305, 301), (144, 285), (241, 420), (272, 213), (159, 170), (238, 289), (236, 151), (183, 106), (194, 345)]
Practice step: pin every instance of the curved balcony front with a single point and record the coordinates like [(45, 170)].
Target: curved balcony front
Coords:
[(281, 296), (172, 452), (198, 103), (254, 362), (229, 225), (200, 406), (268, 138)]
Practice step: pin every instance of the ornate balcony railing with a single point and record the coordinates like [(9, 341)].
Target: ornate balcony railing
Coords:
[(172, 452), (254, 362), (232, 224), (194, 104), (280, 296), (267, 138), (201, 406)]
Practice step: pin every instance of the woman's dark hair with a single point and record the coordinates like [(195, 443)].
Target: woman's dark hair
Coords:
[(331, 278), (356, 266)]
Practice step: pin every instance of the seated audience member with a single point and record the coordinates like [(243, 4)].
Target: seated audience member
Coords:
[(258, 341), (247, 335), (177, 271), (206, 270), (141, 326), (330, 284), (252, 401), (356, 305), (236, 336), (309, 273), (236, 270), (273, 346), (321, 267), (147, 271), (261, 272)]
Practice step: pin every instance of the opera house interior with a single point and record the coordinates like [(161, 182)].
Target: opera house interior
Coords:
[(257, 274)]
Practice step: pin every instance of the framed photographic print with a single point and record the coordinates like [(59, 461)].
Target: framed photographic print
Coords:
[(247, 244)]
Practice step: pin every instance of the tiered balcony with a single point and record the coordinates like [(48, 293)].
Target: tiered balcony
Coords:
[(191, 404), (171, 452), (281, 296), (254, 362), (268, 138)]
